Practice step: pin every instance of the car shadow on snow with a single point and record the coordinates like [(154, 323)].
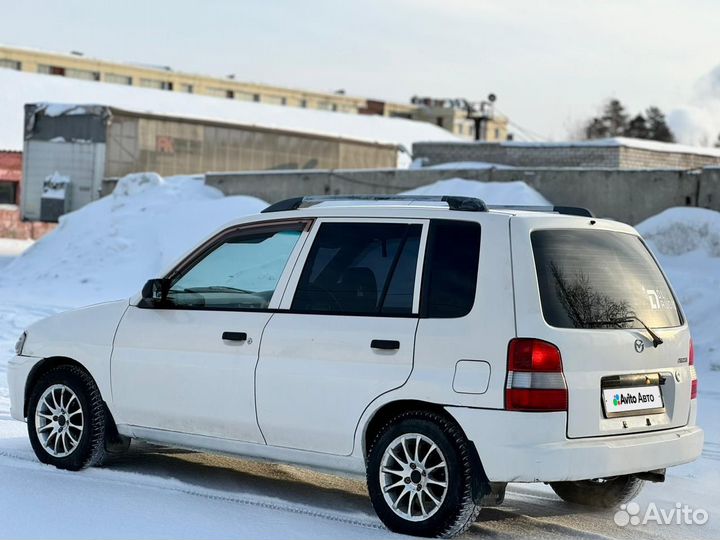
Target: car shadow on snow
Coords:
[(247, 478), (526, 512)]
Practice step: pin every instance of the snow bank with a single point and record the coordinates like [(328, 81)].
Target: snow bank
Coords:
[(682, 230), (687, 243), (109, 248), (491, 192)]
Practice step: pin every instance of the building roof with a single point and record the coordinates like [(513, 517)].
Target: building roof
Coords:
[(20, 88), (615, 142)]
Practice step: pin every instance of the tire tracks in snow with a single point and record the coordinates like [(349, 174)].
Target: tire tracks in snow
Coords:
[(115, 477)]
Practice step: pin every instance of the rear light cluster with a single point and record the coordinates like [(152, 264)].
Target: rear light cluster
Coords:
[(693, 372), (535, 380)]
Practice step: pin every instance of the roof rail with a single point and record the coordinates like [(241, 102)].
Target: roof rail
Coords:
[(567, 210), (466, 204)]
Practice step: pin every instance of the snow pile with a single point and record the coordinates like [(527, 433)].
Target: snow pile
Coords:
[(682, 230), (687, 243), (518, 192), (109, 248), (419, 163), (55, 186)]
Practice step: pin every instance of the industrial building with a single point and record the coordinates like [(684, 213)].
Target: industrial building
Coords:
[(450, 114), (80, 145)]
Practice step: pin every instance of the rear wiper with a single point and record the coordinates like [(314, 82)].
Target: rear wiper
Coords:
[(655, 338)]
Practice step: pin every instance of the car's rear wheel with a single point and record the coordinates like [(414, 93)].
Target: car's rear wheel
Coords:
[(67, 420), (600, 493), (419, 476)]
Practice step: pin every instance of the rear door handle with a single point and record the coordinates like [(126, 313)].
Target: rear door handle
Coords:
[(234, 336), (385, 344)]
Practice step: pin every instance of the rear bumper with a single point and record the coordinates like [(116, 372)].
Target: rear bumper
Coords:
[(533, 447)]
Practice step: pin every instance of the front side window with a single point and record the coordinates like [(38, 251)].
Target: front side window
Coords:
[(241, 273), (600, 279), (360, 269)]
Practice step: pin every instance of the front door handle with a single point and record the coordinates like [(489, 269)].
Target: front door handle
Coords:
[(385, 344), (234, 336)]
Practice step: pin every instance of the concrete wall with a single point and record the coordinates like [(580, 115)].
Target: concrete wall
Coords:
[(559, 155), (625, 195)]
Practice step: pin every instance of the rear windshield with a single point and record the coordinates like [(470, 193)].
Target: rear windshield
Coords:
[(600, 279)]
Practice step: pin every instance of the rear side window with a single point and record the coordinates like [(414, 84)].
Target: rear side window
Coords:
[(360, 269), (451, 268), (600, 279)]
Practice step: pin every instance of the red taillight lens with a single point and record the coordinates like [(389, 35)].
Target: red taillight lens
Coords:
[(535, 381), (535, 399), (693, 372), (533, 355), (691, 354)]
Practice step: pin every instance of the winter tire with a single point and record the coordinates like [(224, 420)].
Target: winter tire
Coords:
[(419, 476), (601, 493), (67, 419)]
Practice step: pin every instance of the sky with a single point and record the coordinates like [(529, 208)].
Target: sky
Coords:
[(551, 64)]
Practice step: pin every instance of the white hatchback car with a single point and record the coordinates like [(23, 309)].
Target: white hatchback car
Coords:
[(441, 347)]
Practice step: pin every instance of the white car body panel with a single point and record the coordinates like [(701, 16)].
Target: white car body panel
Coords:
[(171, 370)]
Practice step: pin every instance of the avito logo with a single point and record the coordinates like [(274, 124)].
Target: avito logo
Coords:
[(631, 399)]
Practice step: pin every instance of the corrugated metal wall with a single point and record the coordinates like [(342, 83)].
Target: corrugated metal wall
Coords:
[(83, 163), (171, 146)]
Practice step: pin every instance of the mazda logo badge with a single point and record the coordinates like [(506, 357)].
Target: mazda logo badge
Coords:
[(639, 346)]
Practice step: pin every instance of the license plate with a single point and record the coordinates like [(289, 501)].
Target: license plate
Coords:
[(632, 400)]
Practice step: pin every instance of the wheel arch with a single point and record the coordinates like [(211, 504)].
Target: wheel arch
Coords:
[(481, 484), (42, 367)]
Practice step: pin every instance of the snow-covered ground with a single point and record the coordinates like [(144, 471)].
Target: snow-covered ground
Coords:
[(109, 248)]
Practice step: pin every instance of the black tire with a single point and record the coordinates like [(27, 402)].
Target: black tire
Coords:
[(90, 449), (458, 511), (604, 493)]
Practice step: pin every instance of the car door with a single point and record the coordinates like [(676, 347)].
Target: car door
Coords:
[(345, 333), (188, 364)]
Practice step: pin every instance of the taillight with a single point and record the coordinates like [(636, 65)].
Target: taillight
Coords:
[(693, 371), (535, 380)]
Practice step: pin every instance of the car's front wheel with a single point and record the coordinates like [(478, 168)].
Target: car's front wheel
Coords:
[(600, 493), (67, 421), (419, 476)]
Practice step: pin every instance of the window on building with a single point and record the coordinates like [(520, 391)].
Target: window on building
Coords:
[(51, 70), (8, 192), (114, 78), (497, 134), (244, 96), (325, 106), (83, 74), (158, 85), (303, 103), (187, 88), (10, 64), (273, 100), (221, 93), (360, 269)]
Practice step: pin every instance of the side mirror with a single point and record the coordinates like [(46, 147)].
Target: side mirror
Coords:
[(155, 291)]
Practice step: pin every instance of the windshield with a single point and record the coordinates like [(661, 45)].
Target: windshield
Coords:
[(600, 279)]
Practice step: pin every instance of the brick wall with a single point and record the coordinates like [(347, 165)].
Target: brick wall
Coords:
[(611, 157), (11, 226)]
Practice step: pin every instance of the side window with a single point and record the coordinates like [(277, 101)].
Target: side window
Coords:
[(240, 273), (451, 269), (360, 269)]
